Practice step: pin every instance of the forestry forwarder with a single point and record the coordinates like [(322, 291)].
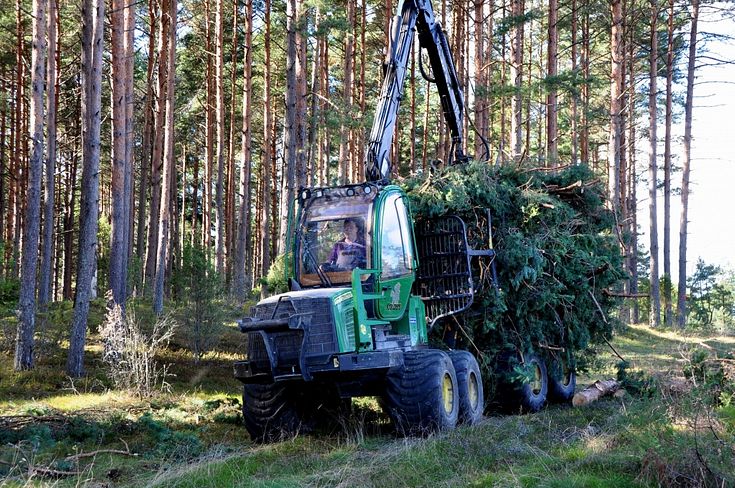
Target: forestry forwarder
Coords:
[(356, 320)]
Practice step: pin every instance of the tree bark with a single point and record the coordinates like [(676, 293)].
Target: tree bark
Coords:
[(129, 140), (654, 319), (574, 122), (584, 146), (265, 173), (231, 190), (552, 144), (119, 217), (24, 347), (157, 156), (169, 12), (3, 130), (242, 274), (45, 274), (290, 136), (324, 145), (69, 205), (668, 310), (146, 157), (632, 246), (616, 105), (683, 222), (594, 392), (220, 135), (93, 15), (343, 160), (516, 54)]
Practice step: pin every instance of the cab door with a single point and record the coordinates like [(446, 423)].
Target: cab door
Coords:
[(395, 254)]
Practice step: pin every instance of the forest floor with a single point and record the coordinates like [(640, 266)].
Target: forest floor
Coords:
[(666, 431)]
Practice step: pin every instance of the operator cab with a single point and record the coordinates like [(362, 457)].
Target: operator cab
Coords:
[(362, 226)]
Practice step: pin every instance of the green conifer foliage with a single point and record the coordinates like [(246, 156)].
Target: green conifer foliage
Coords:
[(557, 255)]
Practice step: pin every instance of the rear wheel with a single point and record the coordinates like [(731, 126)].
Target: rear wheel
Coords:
[(532, 394), (273, 412), (469, 384), (422, 396), (562, 380)]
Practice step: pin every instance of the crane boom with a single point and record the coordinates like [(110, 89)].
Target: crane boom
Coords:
[(415, 15)]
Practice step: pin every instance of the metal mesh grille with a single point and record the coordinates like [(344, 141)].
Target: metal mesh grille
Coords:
[(444, 278), (321, 336)]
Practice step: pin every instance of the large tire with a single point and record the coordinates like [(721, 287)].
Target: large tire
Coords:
[(469, 384), (273, 412), (562, 380), (421, 396), (532, 394)]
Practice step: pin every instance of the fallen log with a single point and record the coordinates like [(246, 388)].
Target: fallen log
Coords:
[(595, 391)]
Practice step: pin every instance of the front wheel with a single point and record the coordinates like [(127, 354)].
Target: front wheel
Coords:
[(273, 412), (469, 383), (422, 395)]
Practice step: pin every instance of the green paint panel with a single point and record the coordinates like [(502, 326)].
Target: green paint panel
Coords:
[(413, 323)]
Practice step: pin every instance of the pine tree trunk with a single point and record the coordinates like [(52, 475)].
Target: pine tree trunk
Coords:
[(231, 190), (209, 136), (683, 222), (119, 217), (360, 157), (343, 160), (290, 130), (169, 11), (129, 141), (146, 157), (668, 311), (616, 104), (265, 173), (654, 319), (93, 14), (516, 54), (412, 129), (584, 140), (69, 205), (220, 135), (32, 218), (324, 145), (45, 274), (632, 250), (242, 275), (3, 129), (157, 156), (480, 83), (313, 128), (552, 144), (574, 122), (15, 210), (301, 94)]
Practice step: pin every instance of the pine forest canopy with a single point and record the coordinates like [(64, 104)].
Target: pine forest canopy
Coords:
[(196, 121)]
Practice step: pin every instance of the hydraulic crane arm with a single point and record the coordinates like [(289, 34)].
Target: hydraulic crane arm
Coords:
[(415, 15)]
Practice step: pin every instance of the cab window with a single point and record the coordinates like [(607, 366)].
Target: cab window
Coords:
[(396, 245), (334, 239)]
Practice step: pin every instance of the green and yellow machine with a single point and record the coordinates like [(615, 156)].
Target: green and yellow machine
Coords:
[(367, 283)]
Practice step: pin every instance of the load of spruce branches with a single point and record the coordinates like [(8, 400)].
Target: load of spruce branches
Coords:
[(556, 255)]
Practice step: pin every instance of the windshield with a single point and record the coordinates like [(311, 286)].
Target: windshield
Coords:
[(334, 240)]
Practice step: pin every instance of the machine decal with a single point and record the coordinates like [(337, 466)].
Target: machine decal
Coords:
[(395, 298)]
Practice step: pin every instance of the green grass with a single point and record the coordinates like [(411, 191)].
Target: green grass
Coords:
[(192, 437)]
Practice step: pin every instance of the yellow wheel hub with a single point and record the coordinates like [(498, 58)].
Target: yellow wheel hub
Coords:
[(448, 393), (567, 375), (537, 383), (473, 390)]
